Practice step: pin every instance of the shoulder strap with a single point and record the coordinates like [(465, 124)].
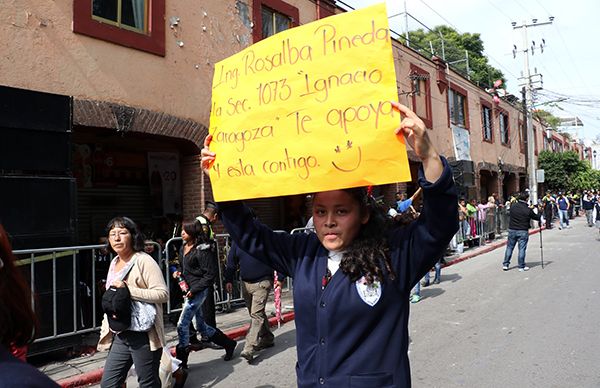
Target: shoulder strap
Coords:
[(128, 268)]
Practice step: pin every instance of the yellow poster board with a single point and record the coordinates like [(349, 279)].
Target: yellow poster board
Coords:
[(308, 110)]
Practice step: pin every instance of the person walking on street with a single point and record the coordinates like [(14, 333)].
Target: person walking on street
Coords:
[(257, 282), (140, 274), (563, 211), (198, 271), (206, 219), (518, 230)]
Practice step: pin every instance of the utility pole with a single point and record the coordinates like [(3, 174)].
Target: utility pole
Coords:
[(529, 105)]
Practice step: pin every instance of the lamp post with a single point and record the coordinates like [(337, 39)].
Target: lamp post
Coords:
[(594, 156)]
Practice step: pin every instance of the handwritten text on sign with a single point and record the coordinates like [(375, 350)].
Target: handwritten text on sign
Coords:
[(308, 110)]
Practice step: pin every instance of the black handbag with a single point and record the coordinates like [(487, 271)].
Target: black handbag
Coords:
[(116, 304)]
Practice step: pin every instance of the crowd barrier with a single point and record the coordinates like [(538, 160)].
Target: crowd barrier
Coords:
[(479, 229), (67, 284)]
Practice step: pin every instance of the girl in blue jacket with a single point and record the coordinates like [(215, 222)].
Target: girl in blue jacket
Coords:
[(352, 278)]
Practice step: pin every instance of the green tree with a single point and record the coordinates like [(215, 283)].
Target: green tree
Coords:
[(547, 118), (585, 180), (455, 44), (563, 170)]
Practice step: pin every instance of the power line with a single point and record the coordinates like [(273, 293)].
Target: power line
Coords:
[(499, 10), (459, 31), (523, 8)]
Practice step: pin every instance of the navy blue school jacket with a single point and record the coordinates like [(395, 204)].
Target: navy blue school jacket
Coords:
[(344, 339), (251, 269)]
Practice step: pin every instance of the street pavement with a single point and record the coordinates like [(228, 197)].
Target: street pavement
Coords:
[(481, 327)]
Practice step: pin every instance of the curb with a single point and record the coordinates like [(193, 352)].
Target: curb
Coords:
[(94, 377), (486, 249)]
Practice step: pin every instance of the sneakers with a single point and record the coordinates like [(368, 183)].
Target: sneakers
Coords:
[(505, 268), (436, 281), (248, 355), (526, 268), (415, 298), (425, 284)]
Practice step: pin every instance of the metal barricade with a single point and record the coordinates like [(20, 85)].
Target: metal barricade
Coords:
[(68, 280), (223, 246), (56, 272), (475, 232), (222, 298), (302, 230)]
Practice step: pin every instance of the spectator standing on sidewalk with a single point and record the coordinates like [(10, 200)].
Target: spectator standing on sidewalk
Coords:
[(462, 218), (471, 215), (404, 204), (257, 283), (548, 203), (518, 230), (588, 207), (563, 210), (18, 324), (352, 314)]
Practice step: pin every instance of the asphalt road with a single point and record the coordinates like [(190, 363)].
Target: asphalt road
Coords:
[(481, 327)]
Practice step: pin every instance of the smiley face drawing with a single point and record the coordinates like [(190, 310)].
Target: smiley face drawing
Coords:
[(349, 146)]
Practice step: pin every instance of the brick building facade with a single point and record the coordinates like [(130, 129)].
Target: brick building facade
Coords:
[(140, 83)]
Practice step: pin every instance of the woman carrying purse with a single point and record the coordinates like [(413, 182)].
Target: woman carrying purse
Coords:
[(145, 282)]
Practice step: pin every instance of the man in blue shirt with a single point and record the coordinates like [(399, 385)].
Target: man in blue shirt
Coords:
[(403, 204), (563, 210)]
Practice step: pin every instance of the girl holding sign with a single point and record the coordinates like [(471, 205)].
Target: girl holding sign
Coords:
[(352, 278)]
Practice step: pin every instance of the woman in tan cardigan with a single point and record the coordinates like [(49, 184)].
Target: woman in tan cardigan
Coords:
[(146, 283)]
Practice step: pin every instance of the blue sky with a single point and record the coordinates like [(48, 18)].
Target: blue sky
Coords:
[(570, 55)]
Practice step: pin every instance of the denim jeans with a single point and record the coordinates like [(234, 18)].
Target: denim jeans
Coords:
[(192, 307), (417, 289), (438, 272), (589, 215), (563, 217), (522, 236)]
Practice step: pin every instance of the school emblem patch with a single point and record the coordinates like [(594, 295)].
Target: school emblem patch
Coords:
[(370, 294)]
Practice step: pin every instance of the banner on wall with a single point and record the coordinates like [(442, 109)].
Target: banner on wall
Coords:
[(462, 144), (307, 110)]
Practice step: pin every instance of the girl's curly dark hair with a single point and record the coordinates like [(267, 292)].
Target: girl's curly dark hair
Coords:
[(368, 255)]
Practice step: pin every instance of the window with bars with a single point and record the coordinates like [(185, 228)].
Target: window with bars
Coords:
[(421, 94), (457, 108), (486, 122), (273, 22), (504, 128)]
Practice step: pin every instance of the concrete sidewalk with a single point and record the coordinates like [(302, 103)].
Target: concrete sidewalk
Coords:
[(87, 370)]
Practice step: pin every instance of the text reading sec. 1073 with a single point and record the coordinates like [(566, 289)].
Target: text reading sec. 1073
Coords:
[(273, 91)]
